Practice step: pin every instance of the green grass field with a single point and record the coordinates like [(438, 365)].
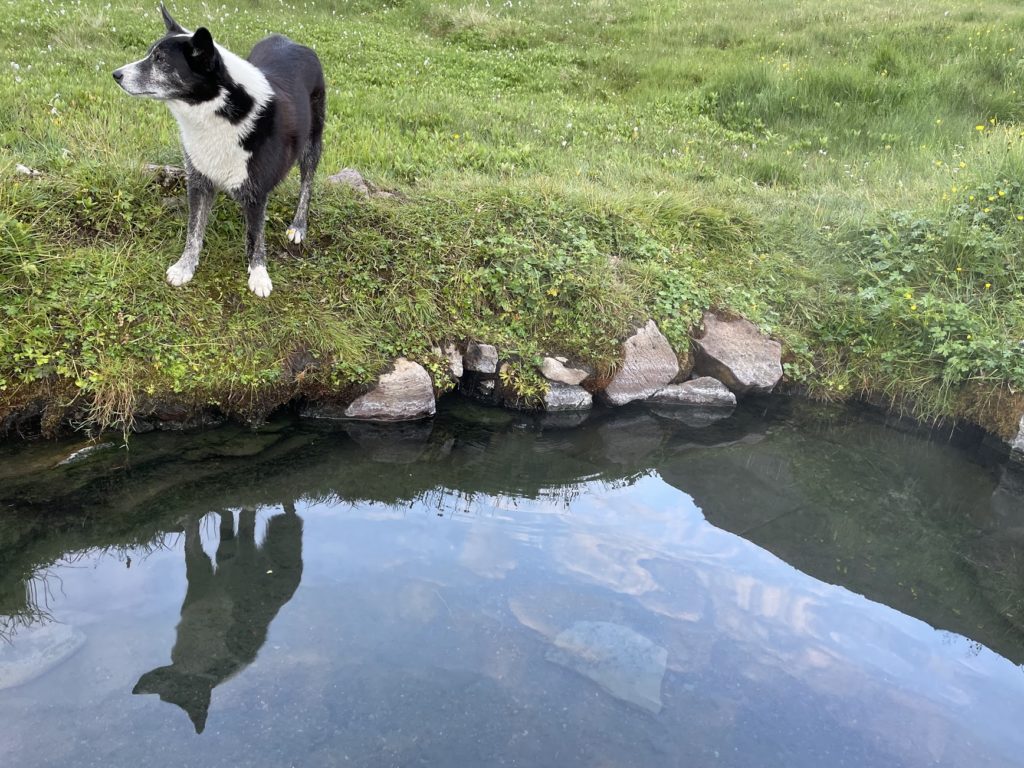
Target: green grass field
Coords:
[(847, 175)]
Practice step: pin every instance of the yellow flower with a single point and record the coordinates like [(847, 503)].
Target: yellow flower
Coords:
[(987, 286), (979, 127), (913, 307), (1001, 193), (959, 269), (907, 295)]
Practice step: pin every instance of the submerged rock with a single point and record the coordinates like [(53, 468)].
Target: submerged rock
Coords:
[(648, 365), (556, 370), (693, 416), (404, 393), (35, 650), (626, 664), (738, 355), (480, 358), (567, 397), (704, 391), (80, 453)]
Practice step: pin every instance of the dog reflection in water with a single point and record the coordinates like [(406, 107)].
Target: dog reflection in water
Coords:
[(227, 609)]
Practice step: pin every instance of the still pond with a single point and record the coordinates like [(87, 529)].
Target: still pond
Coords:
[(789, 586)]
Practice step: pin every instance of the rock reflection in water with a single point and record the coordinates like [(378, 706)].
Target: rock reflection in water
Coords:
[(227, 608)]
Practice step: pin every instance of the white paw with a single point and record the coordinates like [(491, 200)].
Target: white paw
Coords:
[(179, 274), (296, 235), (259, 282)]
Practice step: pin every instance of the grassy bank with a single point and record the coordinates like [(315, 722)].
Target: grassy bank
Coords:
[(846, 175)]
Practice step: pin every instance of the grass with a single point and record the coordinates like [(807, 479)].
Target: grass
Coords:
[(846, 175)]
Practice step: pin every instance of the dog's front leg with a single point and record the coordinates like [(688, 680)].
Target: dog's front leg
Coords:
[(200, 202), (255, 247)]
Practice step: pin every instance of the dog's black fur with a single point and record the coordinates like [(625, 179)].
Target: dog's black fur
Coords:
[(265, 121)]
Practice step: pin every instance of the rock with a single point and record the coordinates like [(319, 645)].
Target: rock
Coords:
[(81, 453), (352, 179), (1008, 501), (35, 650), (1017, 444), (405, 393), (567, 397), (24, 170), (562, 419), (554, 369), (454, 360), (626, 664), (693, 416), (480, 358), (166, 175), (703, 391), (391, 443), (649, 364), (738, 355)]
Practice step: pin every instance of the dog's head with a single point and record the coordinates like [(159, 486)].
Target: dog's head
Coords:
[(180, 65)]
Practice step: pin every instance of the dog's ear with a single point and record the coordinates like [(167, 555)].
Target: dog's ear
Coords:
[(173, 27), (203, 50)]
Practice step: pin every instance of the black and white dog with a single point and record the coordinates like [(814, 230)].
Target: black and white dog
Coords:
[(244, 123)]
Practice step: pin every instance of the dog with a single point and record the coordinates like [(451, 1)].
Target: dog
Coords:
[(244, 123)]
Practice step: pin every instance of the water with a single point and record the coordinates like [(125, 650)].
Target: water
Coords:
[(796, 587)]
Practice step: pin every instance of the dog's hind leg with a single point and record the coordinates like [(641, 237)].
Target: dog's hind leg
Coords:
[(200, 202), (255, 246), (307, 168)]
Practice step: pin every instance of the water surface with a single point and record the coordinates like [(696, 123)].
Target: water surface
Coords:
[(781, 588)]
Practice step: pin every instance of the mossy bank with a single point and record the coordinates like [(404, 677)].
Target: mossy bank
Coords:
[(846, 177)]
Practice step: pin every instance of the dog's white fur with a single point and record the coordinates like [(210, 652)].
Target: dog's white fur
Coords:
[(259, 282)]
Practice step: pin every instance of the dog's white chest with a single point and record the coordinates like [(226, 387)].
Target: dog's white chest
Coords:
[(214, 147)]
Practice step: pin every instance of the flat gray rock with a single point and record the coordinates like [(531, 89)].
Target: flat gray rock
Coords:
[(704, 391), (1017, 444), (480, 358), (648, 364), (405, 393), (626, 664), (567, 397), (738, 355), (556, 370), (35, 650)]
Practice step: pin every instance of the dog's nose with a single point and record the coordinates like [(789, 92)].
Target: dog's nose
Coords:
[(118, 75)]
